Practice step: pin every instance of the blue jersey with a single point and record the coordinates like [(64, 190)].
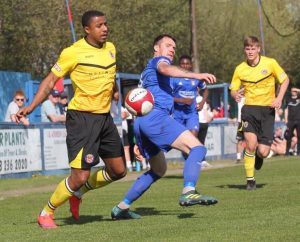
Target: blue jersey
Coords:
[(158, 84), (186, 88)]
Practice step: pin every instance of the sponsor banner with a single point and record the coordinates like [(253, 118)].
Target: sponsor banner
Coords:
[(20, 151), (55, 149), (213, 141), (230, 139)]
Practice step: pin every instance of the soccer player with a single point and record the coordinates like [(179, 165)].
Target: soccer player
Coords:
[(185, 92), (91, 63), (158, 131), (257, 75)]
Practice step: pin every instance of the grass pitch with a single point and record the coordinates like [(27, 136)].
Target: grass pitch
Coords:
[(270, 213)]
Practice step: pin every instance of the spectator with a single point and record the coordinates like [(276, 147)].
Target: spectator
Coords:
[(63, 103), (126, 115), (240, 144), (50, 110), (278, 115), (14, 106), (205, 117), (292, 119), (278, 146)]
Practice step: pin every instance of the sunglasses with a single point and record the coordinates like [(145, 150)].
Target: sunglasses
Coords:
[(20, 99)]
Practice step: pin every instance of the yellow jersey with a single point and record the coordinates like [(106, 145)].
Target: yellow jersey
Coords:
[(258, 81), (92, 71)]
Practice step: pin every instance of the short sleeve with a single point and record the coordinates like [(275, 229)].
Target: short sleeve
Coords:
[(235, 82), (66, 62), (278, 72)]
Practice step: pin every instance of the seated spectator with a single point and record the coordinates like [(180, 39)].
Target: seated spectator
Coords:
[(63, 103), (14, 106), (50, 110), (278, 146)]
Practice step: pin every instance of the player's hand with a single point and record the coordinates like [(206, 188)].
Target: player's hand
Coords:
[(137, 153), (200, 106), (210, 78), (239, 95), (276, 103), (22, 113)]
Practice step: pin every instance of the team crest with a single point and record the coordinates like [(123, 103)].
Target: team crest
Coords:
[(112, 54), (89, 158), (264, 71)]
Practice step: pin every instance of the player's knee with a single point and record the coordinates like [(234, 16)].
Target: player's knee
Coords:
[(117, 174), (77, 180), (160, 171)]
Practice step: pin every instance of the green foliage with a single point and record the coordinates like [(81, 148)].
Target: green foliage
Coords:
[(34, 32), (270, 213)]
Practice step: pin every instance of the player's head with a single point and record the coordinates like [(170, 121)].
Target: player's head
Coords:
[(164, 45), (19, 98), (251, 48), (294, 92), (95, 26), (185, 62)]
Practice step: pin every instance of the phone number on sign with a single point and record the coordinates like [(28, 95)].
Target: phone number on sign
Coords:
[(10, 165)]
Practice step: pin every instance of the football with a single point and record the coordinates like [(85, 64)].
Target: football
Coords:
[(139, 101)]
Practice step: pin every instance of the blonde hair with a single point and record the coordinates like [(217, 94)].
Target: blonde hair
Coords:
[(251, 40)]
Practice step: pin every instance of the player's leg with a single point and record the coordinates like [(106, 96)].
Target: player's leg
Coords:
[(61, 194), (109, 147), (265, 136), (249, 159), (188, 143), (139, 187)]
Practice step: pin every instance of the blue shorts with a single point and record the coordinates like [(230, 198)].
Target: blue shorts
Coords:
[(155, 132), (190, 121)]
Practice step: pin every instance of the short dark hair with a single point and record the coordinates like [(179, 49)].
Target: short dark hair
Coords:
[(251, 40), (159, 37), (185, 57), (86, 17)]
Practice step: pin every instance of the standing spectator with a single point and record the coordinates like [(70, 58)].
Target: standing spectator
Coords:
[(240, 140), (257, 74), (205, 117), (91, 132), (63, 103), (50, 110), (14, 106), (126, 115), (292, 119)]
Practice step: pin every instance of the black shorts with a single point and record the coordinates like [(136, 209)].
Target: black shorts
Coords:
[(89, 136), (239, 132), (260, 121)]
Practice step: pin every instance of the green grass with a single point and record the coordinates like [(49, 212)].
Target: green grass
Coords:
[(270, 213)]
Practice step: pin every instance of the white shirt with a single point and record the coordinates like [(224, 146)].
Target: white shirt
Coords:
[(12, 108), (205, 115)]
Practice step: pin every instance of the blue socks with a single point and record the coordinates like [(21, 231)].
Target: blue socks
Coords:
[(192, 166), (141, 185)]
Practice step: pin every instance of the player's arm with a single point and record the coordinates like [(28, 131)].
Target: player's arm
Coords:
[(204, 98), (174, 71), (44, 89), (277, 102)]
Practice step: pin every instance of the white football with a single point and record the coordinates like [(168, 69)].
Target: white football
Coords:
[(139, 101)]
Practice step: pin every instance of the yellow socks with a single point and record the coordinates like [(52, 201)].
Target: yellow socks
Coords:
[(249, 159), (60, 196), (98, 179)]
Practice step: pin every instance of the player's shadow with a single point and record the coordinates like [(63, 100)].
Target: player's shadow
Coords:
[(84, 219), (240, 186)]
